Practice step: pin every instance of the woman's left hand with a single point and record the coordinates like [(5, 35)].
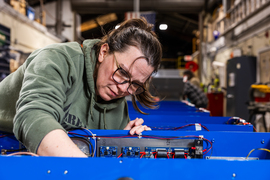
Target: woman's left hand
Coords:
[(136, 126)]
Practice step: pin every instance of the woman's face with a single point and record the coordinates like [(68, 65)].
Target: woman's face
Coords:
[(131, 61)]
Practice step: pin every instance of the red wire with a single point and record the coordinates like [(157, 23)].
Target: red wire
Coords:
[(205, 140), (143, 153), (191, 125), (155, 154), (120, 155), (173, 154), (185, 155), (205, 128), (255, 129), (153, 138), (246, 123), (168, 155), (160, 137), (5, 135), (117, 136)]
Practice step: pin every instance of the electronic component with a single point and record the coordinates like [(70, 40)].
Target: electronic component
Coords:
[(198, 148), (150, 148), (107, 151), (179, 153), (130, 151)]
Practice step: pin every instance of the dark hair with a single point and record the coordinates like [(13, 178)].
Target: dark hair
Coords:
[(138, 33), (188, 73)]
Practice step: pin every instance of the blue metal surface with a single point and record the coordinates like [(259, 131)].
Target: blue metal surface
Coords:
[(228, 141), (138, 169), (225, 144), (177, 126), (169, 107), (169, 118), (8, 141), (173, 114)]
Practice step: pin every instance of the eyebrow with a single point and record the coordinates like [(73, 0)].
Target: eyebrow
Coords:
[(126, 69)]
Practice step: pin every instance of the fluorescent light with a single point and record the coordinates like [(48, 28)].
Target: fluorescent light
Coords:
[(163, 26), (117, 26)]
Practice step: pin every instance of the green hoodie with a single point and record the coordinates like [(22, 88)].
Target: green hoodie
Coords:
[(55, 89)]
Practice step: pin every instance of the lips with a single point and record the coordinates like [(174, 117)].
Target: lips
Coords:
[(113, 93)]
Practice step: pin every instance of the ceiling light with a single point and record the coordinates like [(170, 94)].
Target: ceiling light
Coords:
[(163, 26)]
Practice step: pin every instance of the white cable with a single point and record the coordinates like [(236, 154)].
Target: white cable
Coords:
[(94, 138)]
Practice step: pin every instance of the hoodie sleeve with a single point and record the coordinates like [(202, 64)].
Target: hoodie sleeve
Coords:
[(40, 105)]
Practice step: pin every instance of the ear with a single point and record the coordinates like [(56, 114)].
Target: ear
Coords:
[(104, 50)]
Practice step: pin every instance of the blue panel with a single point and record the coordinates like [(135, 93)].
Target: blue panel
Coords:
[(8, 141), (233, 144), (169, 107), (226, 140), (169, 118), (138, 169), (178, 126)]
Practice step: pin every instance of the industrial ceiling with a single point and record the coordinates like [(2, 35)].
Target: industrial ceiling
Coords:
[(181, 16)]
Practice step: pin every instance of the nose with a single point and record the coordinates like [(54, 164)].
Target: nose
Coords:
[(123, 87)]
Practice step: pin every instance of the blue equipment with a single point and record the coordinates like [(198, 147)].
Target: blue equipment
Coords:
[(184, 143)]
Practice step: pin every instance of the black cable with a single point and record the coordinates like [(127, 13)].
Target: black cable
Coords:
[(4, 151), (87, 141)]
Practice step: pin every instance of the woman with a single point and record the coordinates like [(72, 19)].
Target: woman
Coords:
[(66, 86)]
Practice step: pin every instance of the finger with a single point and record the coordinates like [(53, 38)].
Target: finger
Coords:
[(130, 124), (147, 128), (139, 129), (133, 130), (139, 121)]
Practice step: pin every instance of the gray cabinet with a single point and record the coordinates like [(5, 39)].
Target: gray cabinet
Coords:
[(241, 74)]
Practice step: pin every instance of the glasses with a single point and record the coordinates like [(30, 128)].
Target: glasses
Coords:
[(121, 76)]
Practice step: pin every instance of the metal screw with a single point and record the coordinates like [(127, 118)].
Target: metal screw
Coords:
[(233, 175), (262, 141), (213, 140), (65, 172), (49, 171), (120, 161)]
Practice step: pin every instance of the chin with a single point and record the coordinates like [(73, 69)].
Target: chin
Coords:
[(105, 97)]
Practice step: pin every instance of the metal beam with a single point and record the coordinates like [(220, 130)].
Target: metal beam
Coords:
[(186, 25), (136, 5), (185, 18), (99, 21), (58, 26), (93, 6)]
